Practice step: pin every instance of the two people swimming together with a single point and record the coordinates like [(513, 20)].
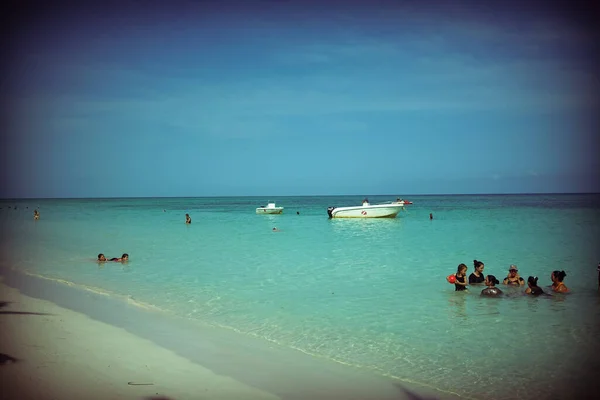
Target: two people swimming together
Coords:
[(459, 279), (123, 258)]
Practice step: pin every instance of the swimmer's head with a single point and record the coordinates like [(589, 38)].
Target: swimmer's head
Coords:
[(125, 257), (461, 269), (558, 276), (491, 280), (101, 257), (478, 265), (532, 281)]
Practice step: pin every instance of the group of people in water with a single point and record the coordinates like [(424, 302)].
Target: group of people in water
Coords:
[(123, 258), (459, 279)]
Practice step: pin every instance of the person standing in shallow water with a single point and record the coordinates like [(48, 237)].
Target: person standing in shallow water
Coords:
[(533, 288), (513, 277), (557, 278), (188, 219), (491, 290), (36, 214), (477, 275), (461, 278)]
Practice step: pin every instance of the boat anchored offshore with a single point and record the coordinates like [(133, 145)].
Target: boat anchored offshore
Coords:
[(270, 208), (367, 210)]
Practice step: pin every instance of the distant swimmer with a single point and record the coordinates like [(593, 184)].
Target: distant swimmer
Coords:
[(533, 288), (275, 229), (101, 257), (123, 258), (188, 219), (36, 214), (430, 216), (491, 290), (557, 281), (297, 212)]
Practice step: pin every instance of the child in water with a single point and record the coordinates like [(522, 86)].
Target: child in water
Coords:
[(461, 278)]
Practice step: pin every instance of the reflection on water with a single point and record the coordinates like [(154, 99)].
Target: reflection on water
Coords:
[(457, 304)]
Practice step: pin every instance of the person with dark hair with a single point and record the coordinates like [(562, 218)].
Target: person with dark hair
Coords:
[(557, 278), (533, 288), (477, 275), (101, 257), (124, 258), (513, 277), (491, 290), (461, 278), (188, 219)]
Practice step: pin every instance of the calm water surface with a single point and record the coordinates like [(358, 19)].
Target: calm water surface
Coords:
[(370, 293)]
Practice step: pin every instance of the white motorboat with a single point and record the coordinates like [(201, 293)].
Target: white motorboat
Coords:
[(270, 208), (367, 210)]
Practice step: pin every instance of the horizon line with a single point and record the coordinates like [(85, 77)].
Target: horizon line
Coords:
[(307, 195)]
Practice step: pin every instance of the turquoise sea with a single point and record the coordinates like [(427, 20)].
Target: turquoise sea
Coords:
[(369, 293)]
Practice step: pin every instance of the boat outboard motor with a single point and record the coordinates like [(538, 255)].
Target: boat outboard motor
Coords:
[(329, 211)]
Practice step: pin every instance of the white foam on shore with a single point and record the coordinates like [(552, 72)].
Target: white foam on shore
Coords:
[(96, 290)]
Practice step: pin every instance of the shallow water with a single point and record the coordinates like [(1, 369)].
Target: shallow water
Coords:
[(370, 293)]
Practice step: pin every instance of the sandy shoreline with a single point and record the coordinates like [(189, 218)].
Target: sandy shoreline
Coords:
[(72, 344), (65, 354)]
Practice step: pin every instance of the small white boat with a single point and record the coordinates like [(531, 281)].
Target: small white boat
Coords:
[(270, 208), (367, 210)]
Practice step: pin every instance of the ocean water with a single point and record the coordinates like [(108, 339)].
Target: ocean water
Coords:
[(368, 293)]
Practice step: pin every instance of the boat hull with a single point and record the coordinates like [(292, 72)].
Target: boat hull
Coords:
[(371, 211), (277, 210)]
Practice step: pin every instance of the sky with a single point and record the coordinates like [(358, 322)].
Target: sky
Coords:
[(283, 98)]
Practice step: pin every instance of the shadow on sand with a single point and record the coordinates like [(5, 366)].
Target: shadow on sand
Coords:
[(410, 395), (6, 303), (158, 398), (5, 359)]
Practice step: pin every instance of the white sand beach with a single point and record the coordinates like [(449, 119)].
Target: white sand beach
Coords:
[(54, 352), (62, 354)]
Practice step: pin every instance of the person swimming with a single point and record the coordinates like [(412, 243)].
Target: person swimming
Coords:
[(533, 288), (101, 257), (491, 290), (123, 258), (188, 219), (557, 278), (477, 275)]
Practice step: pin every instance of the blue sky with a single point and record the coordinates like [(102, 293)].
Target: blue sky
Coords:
[(298, 98)]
